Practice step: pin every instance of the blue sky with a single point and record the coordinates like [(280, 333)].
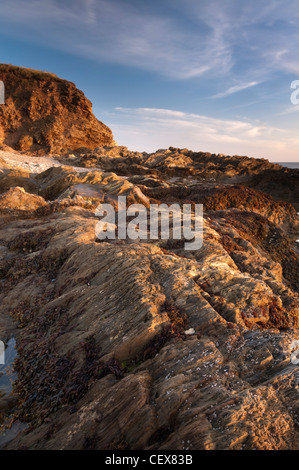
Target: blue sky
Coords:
[(211, 75)]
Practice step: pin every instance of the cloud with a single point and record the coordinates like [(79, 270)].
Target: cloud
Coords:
[(198, 121), (237, 44), (146, 129), (235, 89), (262, 36), (120, 33), (184, 40), (289, 110)]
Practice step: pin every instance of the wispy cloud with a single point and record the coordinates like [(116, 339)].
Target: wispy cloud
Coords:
[(290, 110), (220, 48), (151, 128), (118, 32), (190, 39), (235, 89), (262, 36), (206, 123)]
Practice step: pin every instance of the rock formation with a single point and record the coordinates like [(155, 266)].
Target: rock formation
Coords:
[(128, 344), (279, 182), (45, 114), (142, 345)]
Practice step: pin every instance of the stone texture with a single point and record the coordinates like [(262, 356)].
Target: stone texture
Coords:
[(103, 358), (45, 114)]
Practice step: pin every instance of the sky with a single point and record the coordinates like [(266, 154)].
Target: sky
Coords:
[(207, 75)]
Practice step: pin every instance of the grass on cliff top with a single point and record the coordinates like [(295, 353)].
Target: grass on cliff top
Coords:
[(29, 73)]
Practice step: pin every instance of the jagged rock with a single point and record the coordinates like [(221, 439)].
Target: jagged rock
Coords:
[(45, 114), (279, 182), (19, 178), (17, 200), (65, 182), (282, 185), (102, 338), (125, 344)]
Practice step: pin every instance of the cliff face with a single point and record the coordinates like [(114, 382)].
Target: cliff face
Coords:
[(45, 114)]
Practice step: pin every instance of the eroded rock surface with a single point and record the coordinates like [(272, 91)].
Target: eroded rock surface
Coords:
[(45, 114), (176, 164), (144, 345)]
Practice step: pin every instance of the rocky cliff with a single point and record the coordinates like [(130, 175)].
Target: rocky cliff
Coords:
[(45, 114)]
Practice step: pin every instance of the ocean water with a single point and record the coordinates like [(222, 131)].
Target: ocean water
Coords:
[(289, 164)]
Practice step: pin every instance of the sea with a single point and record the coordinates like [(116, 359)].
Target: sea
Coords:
[(289, 164)]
